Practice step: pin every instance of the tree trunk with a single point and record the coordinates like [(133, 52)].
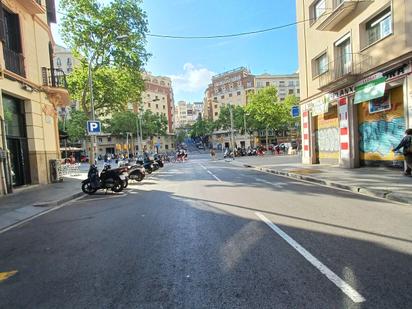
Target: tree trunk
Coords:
[(267, 138)]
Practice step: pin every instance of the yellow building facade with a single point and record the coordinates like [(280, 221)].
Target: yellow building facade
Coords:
[(355, 65), (30, 91)]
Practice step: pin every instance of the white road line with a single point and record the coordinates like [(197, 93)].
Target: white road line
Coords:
[(213, 175), (345, 287)]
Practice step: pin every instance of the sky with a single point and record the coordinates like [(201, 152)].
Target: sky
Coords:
[(192, 63)]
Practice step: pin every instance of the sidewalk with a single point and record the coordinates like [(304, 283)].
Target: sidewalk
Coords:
[(388, 183), (33, 200)]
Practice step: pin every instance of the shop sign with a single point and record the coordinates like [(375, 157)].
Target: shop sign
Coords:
[(368, 79), (320, 107), (341, 93), (379, 105), (397, 72), (371, 90)]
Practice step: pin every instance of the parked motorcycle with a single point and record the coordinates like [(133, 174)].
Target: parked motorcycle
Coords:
[(136, 172), (108, 179)]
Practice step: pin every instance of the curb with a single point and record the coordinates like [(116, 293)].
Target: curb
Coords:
[(47, 207), (389, 195), (58, 202)]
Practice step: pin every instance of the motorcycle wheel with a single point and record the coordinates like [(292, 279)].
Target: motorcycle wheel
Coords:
[(149, 170), (87, 188), (118, 186), (125, 183)]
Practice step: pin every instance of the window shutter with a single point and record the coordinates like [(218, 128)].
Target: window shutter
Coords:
[(2, 26), (51, 11)]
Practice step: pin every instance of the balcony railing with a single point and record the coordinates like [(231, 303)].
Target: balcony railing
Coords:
[(54, 78), (331, 20), (344, 71), (14, 61)]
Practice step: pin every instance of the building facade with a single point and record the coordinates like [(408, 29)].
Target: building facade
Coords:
[(355, 77), (226, 88), (187, 113), (63, 59), (287, 84), (158, 98), (31, 90)]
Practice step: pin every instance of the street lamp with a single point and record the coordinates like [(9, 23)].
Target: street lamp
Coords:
[(90, 77)]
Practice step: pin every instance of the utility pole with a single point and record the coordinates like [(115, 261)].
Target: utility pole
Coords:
[(232, 137), (93, 137)]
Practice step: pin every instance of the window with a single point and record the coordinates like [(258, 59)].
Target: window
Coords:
[(238, 93), (319, 9), (164, 107), (320, 65), (109, 139), (157, 106), (290, 84), (267, 84), (215, 98), (222, 97), (69, 62), (100, 140), (230, 95), (10, 35), (148, 105), (69, 70), (379, 27), (215, 105), (298, 90), (215, 113), (290, 91), (59, 62)]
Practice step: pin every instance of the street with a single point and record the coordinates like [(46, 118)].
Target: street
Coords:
[(205, 234)]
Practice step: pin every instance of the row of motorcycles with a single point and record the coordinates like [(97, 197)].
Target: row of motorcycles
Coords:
[(117, 179), (242, 152)]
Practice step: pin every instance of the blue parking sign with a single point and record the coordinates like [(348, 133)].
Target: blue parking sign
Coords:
[(295, 111), (94, 127)]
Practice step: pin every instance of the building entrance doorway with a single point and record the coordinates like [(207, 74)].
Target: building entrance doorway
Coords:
[(16, 140)]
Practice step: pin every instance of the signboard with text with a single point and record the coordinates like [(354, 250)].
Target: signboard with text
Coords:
[(94, 127)]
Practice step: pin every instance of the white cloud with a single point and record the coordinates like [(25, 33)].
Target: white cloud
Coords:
[(193, 79)]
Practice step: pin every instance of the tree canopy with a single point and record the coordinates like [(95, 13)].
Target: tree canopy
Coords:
[(76, 126), (111, 37)]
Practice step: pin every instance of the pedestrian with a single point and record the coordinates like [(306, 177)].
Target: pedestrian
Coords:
[(406, 144), (213, 154)]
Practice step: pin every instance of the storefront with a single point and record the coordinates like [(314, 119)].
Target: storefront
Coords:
[(326, 127), (381, 120)]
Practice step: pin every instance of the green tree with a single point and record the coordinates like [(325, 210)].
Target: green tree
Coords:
[(240, 116), (122, 122), (201, 128), (111, 37), (268, 112), (76, 126), (153, 124), (180, 136)]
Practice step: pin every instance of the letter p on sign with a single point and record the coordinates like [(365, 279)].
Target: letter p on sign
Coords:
[(93, 127)]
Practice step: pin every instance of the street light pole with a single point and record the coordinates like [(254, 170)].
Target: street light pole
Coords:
[(92, 155), (231, 126)]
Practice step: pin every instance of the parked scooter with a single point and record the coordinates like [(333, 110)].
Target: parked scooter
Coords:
[(108, 179), (136, 172)]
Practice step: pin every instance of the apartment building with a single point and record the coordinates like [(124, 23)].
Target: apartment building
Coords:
[(158, 98), (63, 59), (287, 84), (230, 87), (31, 89), (355, 77)]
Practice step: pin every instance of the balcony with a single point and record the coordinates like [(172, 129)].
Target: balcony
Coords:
[(55, 85), (341, 9), (32, 6), (14, 61), (344, 71)]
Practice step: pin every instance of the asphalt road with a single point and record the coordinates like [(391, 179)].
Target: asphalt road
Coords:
[(208, 234)]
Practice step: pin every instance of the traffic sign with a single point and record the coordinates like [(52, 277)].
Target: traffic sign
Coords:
[(295, 111), (94, 127)]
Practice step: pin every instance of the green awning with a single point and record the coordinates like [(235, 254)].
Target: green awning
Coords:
[(371, 90)]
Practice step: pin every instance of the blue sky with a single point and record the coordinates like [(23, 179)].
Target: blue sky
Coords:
[(191, 63)]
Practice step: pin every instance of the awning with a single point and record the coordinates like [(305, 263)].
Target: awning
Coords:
[(371, 90)]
